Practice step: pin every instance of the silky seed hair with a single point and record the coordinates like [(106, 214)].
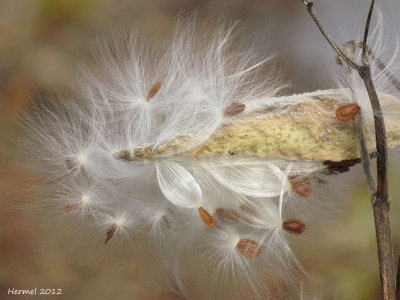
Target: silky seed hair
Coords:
[(191, 152)]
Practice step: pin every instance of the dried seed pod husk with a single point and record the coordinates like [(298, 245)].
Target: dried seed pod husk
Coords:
[(153, 90), (294, 226), (234, 109), (227, 215), (110, 233), (278, 130), (335, 167), (301, 185), (346, 113), (207, 219), (249, 248)]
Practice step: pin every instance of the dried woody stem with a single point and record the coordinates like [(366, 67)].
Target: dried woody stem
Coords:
[(398, 279), (380, 198), (350, 49)]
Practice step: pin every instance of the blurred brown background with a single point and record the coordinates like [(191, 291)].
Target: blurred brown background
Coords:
[(42, 40)]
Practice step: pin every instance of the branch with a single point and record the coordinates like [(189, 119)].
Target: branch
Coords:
[(366, 31), (365, 158), (349, 48), (398, 279), (381, 200), (321, 27)]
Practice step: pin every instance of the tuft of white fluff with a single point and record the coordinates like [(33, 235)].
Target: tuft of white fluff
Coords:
[(378, 51), (215, 226)]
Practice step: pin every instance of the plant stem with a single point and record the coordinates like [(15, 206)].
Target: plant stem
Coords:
[(350, 50), (398, 279), (321, 27), (367, 24), (380, 200)]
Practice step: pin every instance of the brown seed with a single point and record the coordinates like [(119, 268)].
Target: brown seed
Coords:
[(347, 112), (110, 233), (249, 213), (227, 215), (294, 226), (300, 185), (153, 90), (234, 109), (249, 248), (71, 206), (207, 219), (167, 222), (248, 210), (71, 163)]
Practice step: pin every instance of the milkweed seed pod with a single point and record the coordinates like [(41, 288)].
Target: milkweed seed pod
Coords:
[(192, 146)]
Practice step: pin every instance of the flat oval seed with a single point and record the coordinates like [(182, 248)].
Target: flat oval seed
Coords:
[(110, 233), (227, 215), (249, 248), (71, 163), (294, 226), (347, 112), (71, 206), (153, 90), (167, 222), (249, 214), (234, 109), (207, 219), (301, 185)]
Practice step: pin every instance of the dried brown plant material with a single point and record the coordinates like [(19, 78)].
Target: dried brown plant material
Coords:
[(335, 167), (263, 134), (234, 109), (207, 219), (153, 90), (300, 185), (71, 206), (227, 215), (110, 233), (249, 248), (346, 113), (294, 226)]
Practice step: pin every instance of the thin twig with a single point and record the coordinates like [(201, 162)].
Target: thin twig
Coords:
[(381, 200), (321, 27), (398, 279), (380, 132), (349, 48), (381, 205), (365, 157), (366, 31)]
